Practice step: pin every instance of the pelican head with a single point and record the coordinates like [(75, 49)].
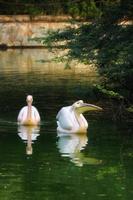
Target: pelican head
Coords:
[(81, 107), (29, 99)]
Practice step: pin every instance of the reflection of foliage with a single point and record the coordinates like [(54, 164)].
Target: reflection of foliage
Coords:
[(113, 174), (130, 154), (107, 171), (130, 109)]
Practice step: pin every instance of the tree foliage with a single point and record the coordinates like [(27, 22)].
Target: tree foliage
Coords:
[(85, 9), (50, 7), (106, 42)]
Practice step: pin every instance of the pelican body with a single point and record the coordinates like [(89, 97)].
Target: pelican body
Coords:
[(29, 115), (71, 120)]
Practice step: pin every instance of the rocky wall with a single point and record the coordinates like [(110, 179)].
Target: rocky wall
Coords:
[(17, 31)]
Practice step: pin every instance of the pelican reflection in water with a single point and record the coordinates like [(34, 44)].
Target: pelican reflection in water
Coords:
[(70, 119), (71, 145), (28, 134)]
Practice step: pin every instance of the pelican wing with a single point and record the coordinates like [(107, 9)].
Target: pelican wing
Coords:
[(36, 114), (64, 119), (21, 114)]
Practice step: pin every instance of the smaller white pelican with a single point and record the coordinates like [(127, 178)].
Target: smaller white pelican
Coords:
[(29, 115), (70, 118)]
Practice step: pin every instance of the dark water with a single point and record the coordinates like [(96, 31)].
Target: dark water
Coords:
[(94, 166)]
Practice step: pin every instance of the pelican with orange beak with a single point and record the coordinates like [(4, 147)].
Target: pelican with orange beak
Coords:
[(70, 118)]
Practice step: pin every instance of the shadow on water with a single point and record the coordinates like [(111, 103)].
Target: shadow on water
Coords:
[(93, 166)]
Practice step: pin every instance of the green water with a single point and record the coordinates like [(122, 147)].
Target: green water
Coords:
[(94, 166)]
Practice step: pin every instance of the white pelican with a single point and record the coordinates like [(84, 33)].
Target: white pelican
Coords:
[(29, 115), (28, 134), (70, 118)]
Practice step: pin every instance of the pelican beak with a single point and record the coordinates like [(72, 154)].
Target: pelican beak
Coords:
[(87, 107)]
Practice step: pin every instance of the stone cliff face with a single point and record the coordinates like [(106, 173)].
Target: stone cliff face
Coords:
[(18, 30)]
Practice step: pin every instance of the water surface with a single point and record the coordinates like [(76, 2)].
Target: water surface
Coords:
[(41, 164)]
